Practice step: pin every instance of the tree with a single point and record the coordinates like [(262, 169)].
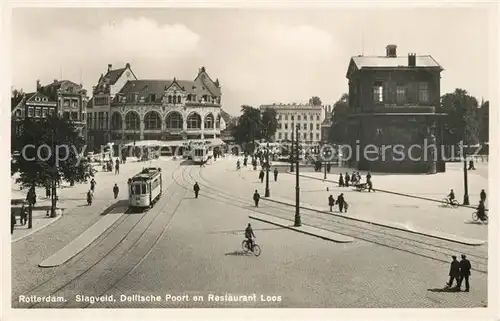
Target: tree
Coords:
[(249, 127), (484, 121), (38, 165), (461, 124), (269, 123), (338, 129), (315, 101)]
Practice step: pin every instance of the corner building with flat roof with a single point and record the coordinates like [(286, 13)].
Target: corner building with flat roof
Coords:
[(394, 121)]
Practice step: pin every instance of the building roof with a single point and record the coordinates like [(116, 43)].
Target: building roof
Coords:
[(114, 75), (393, 62)]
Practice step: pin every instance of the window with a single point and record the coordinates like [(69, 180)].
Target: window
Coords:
[(305, 136), (279, 136), (152, 121), (169, 99), (279, 117), (279, 125), (311, 117), (100, 118), (106, 119), (89, 121), (286, 126), (292, 117), (194, 121), (38, 112), (66, 115), (132, 121), (286, 117), (174, 121), (52, 111), (66, 103), (286, 136), (74, 104), (74, 115), (317, 136), (311, 135), (116, 121), (311, 126), (304, 126), (298, 117), (209, 121), (400, 94), (44, 99), (317, 117), (44, 112), (378, 92), (317, 126), (423, 92)]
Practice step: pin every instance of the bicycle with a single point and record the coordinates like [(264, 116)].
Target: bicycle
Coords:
[(256, 249), (476, 218), (452, 203)]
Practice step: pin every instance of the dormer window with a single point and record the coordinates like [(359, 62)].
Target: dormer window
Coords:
[(37, 98)]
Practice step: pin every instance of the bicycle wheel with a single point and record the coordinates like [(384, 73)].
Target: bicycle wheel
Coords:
[(445, 201), (256, 250), (474, 216), (244, 246), (454, 204)]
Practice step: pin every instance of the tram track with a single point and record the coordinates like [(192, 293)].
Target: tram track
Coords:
[(421, 245), (101, 269)]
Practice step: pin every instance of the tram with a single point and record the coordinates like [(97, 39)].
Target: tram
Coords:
[(201, 154), (145, 188)]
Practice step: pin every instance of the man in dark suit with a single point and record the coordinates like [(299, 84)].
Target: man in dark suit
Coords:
[(464, 272), (454, 272)]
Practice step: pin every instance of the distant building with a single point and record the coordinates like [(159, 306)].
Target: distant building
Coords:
[(62, 97), (393, 100), (308, 117), (327, 123), (125, 108)]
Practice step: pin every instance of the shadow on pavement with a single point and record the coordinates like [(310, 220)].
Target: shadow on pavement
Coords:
[(475, 222), (119, 204), (445, 289), (239, 253), (186, 163)]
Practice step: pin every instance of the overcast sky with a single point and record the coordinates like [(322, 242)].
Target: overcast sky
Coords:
[(260, 56)]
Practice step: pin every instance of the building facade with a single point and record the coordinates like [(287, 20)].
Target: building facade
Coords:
[(394, 114), (64, 98), (126, 109), (308, 117)]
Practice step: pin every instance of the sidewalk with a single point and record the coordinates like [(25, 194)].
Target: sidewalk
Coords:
[(405, 212)]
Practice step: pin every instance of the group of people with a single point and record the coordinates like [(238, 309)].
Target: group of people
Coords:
[(459, 271), (340, 201), (354, 179), (481, 208)]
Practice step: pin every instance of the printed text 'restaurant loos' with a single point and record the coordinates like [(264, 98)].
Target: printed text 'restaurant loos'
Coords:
[(243, 298)]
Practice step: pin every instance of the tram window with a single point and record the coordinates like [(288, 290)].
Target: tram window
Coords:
[(136, 189), (144, 191)]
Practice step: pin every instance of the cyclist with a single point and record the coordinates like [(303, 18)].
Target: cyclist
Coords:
[(451, 196), (481, 212), (249, 235)]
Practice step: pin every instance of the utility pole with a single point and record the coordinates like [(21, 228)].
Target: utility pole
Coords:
[(292, 150), (297, 187), (464, 155), (268, 193)]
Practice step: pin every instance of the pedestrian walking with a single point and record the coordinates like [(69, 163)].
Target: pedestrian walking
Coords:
[(483, 195), (92, 185), (331, 202), (256, 198), (341, 202), (347, 179), (47, 191), (369, 182), (465, 268), (454, 272), (261, 176), (117, 167), (24, 215), (275, 174), (12, 221), (116, 190), (196, 189), (341, 180)]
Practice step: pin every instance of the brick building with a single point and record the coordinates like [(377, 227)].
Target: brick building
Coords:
[(395, 100)]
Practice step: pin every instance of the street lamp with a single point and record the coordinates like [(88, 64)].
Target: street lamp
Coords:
[(291, 152), (297, 187), (464, 154), (268, 193)]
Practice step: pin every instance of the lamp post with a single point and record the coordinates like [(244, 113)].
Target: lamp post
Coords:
[(297, 187), (268, 193), (464, 154), (291, 152)]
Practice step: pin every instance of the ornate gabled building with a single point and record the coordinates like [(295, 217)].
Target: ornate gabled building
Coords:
[(157, 109), (62, 97)]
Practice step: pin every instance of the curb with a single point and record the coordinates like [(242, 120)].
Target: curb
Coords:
[(477, 243), (301, 231), (386, 191), (37, 229)]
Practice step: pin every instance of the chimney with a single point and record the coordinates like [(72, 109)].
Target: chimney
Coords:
[(55, 81), (127, 65), (391, 51), (412, 60), (109, 67), (38, 86)]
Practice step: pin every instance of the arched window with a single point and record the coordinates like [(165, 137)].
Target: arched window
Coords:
[(194, 121), (311, 136), (179, 99), (169, 99), (152, 120), (132, 121), (116, 121), (209, 121), (174, 121), (217, 123)]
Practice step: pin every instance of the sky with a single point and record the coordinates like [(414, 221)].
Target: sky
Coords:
[(260, 56)]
